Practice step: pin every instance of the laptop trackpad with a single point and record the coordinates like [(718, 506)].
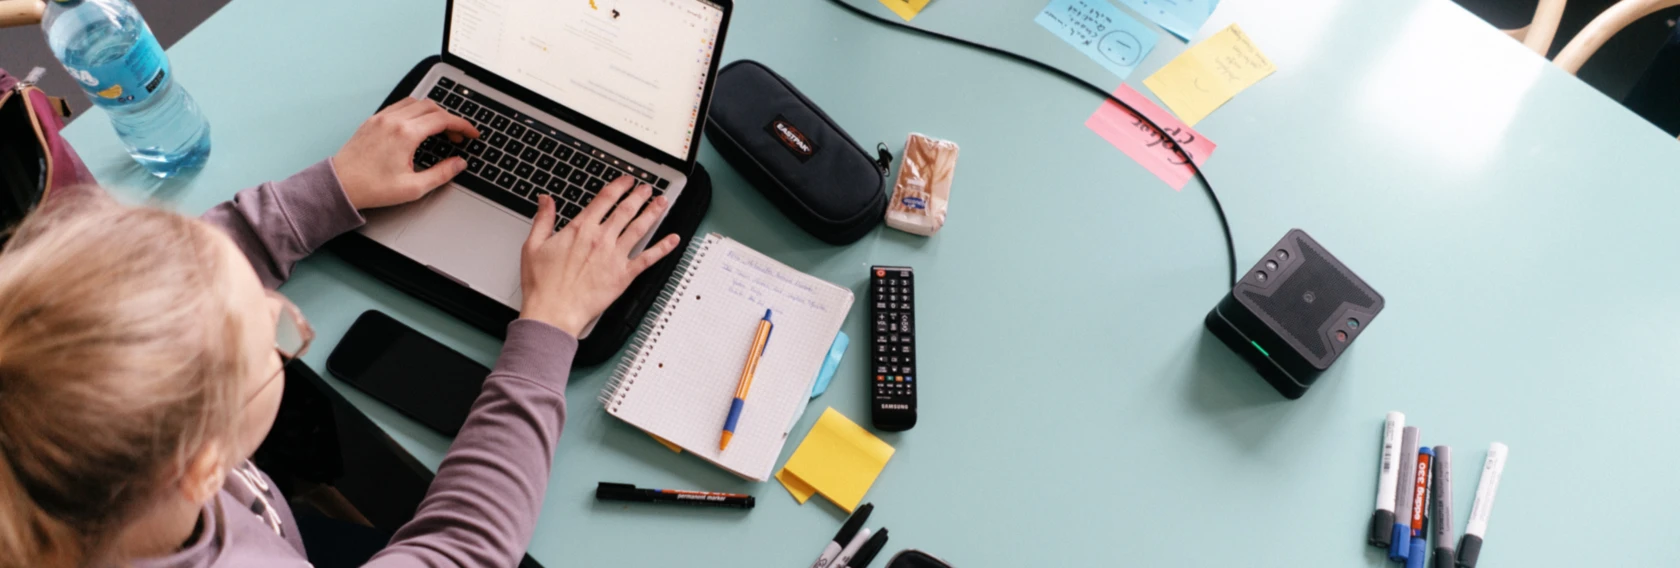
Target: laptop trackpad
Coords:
[(469, 240)]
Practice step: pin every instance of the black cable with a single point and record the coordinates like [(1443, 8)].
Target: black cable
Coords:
[(1230, 250)]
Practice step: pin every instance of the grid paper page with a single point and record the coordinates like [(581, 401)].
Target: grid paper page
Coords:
[(690, 368)]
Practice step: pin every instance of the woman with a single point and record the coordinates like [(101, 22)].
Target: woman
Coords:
[(139, 367)]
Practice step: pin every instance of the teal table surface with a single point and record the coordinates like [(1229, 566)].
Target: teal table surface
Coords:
[(1075, 413)]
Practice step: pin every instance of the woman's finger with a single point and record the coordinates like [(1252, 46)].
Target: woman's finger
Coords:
[(652, 254), (644, 222), (627, 209), (433, 123), (439, 174), (603, 203), (542, 225)]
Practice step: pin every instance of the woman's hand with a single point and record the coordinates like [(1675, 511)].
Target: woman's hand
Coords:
[(376, 167), (572, 276)]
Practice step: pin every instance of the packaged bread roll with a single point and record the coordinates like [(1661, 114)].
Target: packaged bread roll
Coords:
[(924, 185)]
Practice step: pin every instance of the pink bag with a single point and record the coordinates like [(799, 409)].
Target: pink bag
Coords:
[(36, 164)]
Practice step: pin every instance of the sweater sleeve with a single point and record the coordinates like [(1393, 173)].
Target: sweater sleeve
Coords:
[(278, 223), (482, 508)]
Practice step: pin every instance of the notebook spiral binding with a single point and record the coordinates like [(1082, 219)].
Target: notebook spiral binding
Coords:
[(624, 378)]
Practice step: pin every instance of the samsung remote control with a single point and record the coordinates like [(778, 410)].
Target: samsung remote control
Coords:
[(892, 291)]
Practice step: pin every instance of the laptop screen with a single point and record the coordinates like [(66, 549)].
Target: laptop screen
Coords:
[(638, 66)]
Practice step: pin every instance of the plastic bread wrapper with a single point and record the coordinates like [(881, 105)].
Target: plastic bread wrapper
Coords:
[(924, 185)]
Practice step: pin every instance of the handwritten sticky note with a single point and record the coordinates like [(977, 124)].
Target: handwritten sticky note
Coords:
[(1202, 78), (906, 8), (1100, 31), (1145, 145), (838, 460), (1180, 17)]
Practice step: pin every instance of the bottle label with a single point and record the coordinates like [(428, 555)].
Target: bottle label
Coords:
[(129, 79)]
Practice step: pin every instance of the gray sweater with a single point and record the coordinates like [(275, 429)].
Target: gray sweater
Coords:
[(482, 508)]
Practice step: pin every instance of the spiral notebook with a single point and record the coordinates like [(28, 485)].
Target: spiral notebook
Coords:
[(679, 374)]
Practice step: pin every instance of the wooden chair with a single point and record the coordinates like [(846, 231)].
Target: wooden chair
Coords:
[(1538, 34), (1602, 28)]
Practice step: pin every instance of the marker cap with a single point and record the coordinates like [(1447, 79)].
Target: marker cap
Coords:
[(1382, 528), (1400, 543), (1443, 558), (1420, 552), (1469, 548)]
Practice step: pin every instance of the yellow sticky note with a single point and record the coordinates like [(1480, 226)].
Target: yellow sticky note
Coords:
[(1202, 78), (795, 486), (905, 8), (838, 460)]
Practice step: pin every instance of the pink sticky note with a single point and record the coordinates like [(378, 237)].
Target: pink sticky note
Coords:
[(1135, 138)]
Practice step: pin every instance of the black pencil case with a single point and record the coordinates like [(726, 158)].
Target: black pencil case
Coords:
[(798, 157)]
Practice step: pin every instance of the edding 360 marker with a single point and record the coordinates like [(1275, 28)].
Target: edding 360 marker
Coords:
[(1382, 521), (1471, 545), (1443, 508), (1400, 540)]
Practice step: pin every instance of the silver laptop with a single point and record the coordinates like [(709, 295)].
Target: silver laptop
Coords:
[(567, 95)]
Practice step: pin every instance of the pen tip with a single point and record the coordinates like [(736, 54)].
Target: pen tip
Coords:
[(724, 443), (766, 313)]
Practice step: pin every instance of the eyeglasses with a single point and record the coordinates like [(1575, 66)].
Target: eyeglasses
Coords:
[(292, 336)]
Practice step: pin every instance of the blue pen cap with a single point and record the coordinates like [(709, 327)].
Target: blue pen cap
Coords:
[(1418, 554), (1400, 545)]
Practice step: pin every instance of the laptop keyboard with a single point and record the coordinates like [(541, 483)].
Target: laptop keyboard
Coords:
[(517, 159)]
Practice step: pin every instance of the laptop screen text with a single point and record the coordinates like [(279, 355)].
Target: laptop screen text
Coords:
[(637, 66)]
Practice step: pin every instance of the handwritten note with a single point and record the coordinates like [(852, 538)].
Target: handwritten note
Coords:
[(1100, 31), (906, 8), (759, 282), (1180, 17), (1198, 81), (1146, 145)]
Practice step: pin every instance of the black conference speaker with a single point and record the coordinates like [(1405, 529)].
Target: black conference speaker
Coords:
[(1294, 313)]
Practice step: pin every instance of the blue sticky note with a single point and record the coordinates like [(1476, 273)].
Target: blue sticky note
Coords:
[(1180, 17), (1100, 31)]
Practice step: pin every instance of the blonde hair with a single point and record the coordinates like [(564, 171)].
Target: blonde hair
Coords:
[(119, 362)]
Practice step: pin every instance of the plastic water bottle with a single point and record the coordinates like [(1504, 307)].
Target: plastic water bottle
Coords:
[(107, 47)]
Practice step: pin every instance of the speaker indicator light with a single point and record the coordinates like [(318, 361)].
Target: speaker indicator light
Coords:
[(1256, 345)]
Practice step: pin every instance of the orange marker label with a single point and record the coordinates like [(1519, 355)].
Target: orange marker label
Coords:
[(1420, 496)]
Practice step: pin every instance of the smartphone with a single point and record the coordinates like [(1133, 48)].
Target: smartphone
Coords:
[(421, 378)]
